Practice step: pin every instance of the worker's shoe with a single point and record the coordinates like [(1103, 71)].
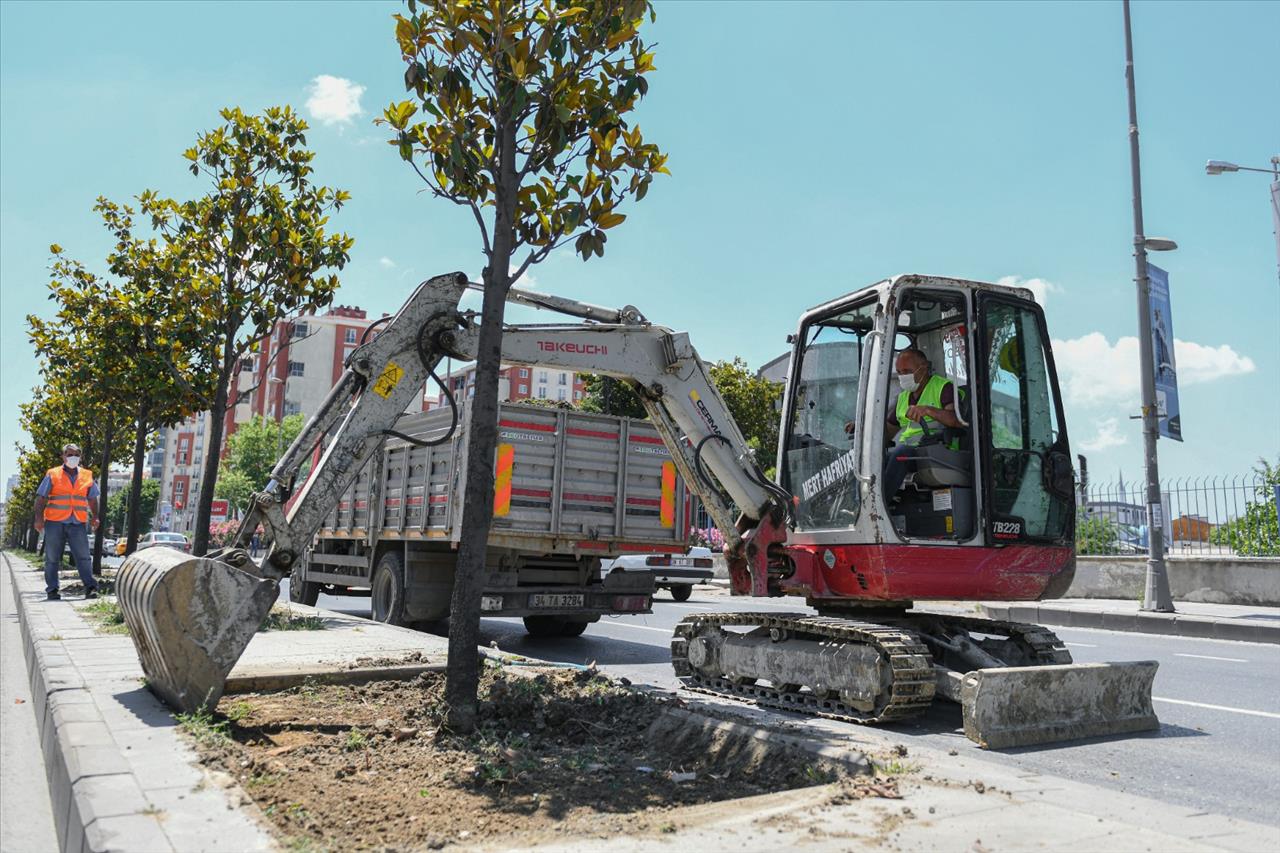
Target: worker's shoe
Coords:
[(93, 593), (53, 596)]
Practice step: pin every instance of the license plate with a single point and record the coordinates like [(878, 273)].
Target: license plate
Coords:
[(560, 599), (682, 562)]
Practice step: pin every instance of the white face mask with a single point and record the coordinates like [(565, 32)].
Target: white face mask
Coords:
[(73, 461), (908, 381)]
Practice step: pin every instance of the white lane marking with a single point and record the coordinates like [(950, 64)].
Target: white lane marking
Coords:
[(667, 631), (1209, 657), (1248, 711), (1083, 645)]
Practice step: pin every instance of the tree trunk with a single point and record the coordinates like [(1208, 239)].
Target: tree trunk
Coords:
[(463, 674), (102, 503), (135, 486), (212, 458)]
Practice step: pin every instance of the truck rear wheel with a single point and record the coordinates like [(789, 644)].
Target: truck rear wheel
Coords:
[(681, 591), (572, 629), (387, 590), (303, 592)]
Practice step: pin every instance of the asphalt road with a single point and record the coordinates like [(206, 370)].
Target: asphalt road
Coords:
[(1217, 749), (26, 816)]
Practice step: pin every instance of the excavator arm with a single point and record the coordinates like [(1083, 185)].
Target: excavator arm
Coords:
[(191, 617)]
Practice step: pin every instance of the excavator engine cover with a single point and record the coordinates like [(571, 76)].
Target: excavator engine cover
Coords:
[(190, 619)]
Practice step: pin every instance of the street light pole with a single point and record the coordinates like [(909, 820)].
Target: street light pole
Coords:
[(1217, 167), (1156, 596)]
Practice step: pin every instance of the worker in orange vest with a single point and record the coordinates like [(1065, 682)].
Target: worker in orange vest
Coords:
[(64, 514)]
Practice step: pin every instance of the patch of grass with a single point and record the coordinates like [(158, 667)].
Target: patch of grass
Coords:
[(893, 767), (284, 619), (818, 775), (204, 728), (106, 616), (302, 844), (238, 711), (261, 780), (355, 740)]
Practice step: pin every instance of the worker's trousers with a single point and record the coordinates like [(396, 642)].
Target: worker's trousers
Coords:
[(75, 536)]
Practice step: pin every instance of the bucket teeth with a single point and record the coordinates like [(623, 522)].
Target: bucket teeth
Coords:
[(1020, 706), (190, 619)]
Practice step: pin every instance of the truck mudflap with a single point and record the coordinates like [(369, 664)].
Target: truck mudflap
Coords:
[(190, 619), (1024, 705)]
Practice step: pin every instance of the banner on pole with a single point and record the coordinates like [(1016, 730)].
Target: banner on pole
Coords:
[(1162, 350)]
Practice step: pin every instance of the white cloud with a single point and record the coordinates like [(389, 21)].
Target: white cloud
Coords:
[(386, 263), (334, 100), (1095, 372), (526, 281), (1039, 287), (1107, 436)]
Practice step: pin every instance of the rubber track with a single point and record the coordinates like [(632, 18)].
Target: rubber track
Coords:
[(910, 694), (1044, 645)]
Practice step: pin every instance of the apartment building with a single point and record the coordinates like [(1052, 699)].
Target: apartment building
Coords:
[(292, 373), (515, 383)]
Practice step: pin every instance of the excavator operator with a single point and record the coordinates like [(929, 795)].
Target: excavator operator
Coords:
[(925, 399)]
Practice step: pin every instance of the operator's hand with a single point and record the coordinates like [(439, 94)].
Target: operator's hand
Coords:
[(848, 428), (93, 523), (39, 525), (918, 413)]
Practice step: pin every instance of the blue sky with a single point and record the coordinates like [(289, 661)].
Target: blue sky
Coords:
[(814, 148)]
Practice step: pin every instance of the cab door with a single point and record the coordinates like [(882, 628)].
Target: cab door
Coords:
[(1024, 454)]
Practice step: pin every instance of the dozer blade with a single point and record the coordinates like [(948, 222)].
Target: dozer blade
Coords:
[(190, 619), (1023, 705)]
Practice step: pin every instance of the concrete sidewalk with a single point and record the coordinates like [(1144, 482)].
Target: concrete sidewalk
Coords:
[(1249, 623), (121, 778)]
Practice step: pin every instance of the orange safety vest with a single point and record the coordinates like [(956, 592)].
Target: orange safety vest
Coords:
[(67, 499)]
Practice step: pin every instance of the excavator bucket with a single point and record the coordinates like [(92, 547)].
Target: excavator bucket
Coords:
[(1024, 705), (190, 619)]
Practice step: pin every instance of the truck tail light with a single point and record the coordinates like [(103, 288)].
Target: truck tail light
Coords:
[(631, 602), (702, 562), (658, 561)]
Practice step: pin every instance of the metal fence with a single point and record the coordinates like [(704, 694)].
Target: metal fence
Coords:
[(1223, 516), (1203, 516)]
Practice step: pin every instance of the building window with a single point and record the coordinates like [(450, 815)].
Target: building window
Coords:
[(246, 365), (300, 330), (577, 395), (542, 376), (242, 397), (524, 373), (564, 379), (296, 368), (349, 336), (524, 389), (459, 383), (542, 392), (291, 408), (560, 393)]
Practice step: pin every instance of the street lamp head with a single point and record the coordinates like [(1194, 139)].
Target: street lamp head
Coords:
[(1159, 244), (274, 380), (1217, 167)]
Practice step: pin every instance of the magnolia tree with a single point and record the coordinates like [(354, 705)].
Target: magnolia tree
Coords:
[(253, 250), (520, 115), (114, 336)]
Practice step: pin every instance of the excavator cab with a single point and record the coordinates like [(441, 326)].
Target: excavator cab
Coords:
[(997, 476)]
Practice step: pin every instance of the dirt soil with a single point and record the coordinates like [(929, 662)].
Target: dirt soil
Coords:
[(558, 753)]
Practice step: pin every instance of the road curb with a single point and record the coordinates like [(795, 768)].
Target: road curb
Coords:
[(1167, 624), (101, 798)]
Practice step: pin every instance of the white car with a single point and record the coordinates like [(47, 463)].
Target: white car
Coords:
[(676, 572)]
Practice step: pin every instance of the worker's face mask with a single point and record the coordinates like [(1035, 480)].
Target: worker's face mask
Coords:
[(908, 381), (73, 461)]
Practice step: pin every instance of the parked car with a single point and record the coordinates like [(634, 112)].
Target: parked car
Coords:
[(108, 544), (165, 540), (676, 572)]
